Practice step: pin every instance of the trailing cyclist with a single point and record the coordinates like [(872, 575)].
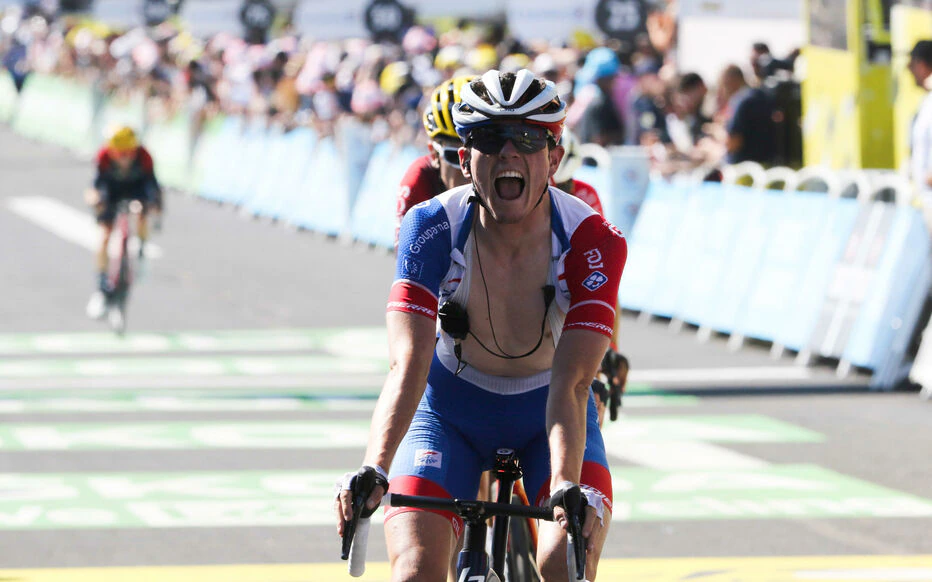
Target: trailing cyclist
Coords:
[(524, 279), (439, 170), (125, 171)]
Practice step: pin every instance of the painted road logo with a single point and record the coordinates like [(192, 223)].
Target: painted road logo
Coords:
[(305, 498)]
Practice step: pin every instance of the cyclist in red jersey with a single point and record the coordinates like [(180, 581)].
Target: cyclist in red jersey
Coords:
[(439, 170), (125, 171), (563, 177)]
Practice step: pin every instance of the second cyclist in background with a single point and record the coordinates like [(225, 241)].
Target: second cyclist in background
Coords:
[(439, 170), (124, 171), (563, 177)]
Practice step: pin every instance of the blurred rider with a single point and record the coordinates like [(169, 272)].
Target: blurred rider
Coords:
[(125, 171)]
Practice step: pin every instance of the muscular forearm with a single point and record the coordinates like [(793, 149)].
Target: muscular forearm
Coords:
[(411, 344), (575, 363), (393, 413)]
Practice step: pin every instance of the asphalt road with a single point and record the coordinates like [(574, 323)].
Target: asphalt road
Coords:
[(212, 434)]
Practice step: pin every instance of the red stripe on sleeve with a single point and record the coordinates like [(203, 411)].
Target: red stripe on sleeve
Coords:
[(412, 298)]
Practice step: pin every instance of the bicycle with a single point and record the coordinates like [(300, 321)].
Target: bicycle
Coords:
[(120, 271), (515, 562)]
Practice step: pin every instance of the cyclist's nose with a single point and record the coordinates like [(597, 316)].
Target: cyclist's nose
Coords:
[(509, 149)]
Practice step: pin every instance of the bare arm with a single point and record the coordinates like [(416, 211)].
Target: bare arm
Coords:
[(411, 340), (575, 363)]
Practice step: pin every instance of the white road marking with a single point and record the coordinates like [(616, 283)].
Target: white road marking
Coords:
[(69, 223), (683, 456), (712, 376)]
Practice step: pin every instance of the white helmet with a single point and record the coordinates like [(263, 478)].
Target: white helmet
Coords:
[(572, 158), (499, 96)]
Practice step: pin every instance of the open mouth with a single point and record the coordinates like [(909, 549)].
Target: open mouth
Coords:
[(509, 185)]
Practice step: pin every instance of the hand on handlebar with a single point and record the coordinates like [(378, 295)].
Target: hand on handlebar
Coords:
[(572, 512), (359, 496)]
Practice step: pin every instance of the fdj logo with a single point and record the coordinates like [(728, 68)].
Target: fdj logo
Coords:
[(595, 280)]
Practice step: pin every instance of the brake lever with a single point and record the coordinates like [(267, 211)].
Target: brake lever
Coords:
[(575, 506), (362, 485)]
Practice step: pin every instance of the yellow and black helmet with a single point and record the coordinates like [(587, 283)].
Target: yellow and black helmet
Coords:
[(438, 116)]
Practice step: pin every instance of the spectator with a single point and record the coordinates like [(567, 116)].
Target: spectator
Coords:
[(748, 118), (599, 122), (649, 106), (685, 123), (920, 165), (765, 65)]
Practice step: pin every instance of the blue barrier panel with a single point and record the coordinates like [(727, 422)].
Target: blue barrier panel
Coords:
[(267, 168), (835, 228), (8, 96), (650, 243), (743, 259), (893, 300), (277, 171), (721, 209), (797, 222), (628, 180), (355, 145), (682, 253), (373, 217), (324, 202), (298, 156), (220, 159), (851, 278), (250, 162)]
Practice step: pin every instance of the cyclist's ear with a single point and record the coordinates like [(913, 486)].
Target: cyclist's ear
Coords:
[(464, 162)]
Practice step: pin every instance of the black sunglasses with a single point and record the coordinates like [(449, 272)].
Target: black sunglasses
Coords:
[(448, 155), (527, 139)]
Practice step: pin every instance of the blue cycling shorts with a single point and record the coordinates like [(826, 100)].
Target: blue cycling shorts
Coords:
[(463, 420)]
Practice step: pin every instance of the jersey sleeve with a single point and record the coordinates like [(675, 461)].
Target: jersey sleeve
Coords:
[(424, 245), (593, 268), (416, 186)]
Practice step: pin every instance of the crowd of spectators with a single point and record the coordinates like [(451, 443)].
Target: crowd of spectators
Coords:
[(618, 95)]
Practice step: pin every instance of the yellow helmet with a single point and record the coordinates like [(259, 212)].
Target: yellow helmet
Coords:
[(438, 116), (123, 140)]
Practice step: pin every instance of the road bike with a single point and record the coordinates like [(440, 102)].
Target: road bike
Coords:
[(512, 547), (120, 268)]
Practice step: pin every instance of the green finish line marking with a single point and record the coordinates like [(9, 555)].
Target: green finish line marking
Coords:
[(200, 366), (362, 342), (732, 428), (253, 498), (161, 403), (219, 401), (320, 434)]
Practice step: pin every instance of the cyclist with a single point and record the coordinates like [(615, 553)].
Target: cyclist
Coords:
[(563, 177), (524, 278), (439, 170), (125, 171)]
